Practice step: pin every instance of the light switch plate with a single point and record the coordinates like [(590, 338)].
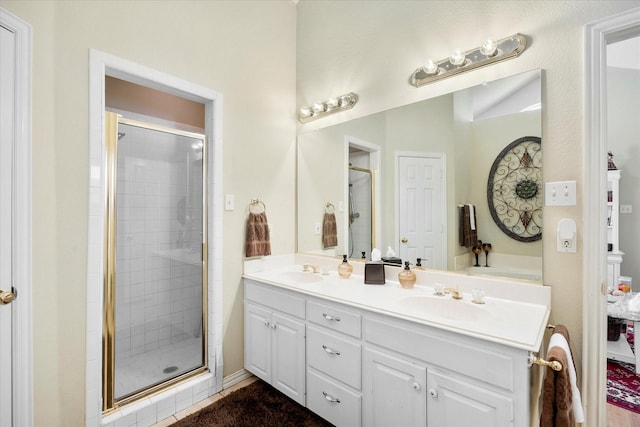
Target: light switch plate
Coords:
[(560, 193), (229, 203)]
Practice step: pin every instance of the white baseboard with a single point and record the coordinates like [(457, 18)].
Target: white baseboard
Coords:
[(235, 378)]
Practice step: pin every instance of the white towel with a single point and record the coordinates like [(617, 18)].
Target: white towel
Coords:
[(558, 340), (472, 217)]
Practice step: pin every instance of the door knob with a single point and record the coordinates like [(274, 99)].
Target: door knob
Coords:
[(7, 296), (404, 240)]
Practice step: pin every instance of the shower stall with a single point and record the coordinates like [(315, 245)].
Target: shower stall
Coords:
[(155, 259), (361, 212)]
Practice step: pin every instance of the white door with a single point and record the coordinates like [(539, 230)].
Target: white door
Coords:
[(421, 207), (7, 80)]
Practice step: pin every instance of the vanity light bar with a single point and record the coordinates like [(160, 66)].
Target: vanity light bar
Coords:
[(490, 52), (330, 106)]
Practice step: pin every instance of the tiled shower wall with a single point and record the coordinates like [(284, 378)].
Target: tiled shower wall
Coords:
[(360, 229), (158, 263)]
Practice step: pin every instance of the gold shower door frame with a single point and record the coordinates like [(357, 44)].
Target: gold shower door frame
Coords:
[(109, 402)]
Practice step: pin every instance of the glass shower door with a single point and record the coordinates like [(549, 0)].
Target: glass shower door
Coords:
[(155, 307)]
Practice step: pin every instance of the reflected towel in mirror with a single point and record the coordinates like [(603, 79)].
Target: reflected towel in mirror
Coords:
[(329, 231), (468, 229)]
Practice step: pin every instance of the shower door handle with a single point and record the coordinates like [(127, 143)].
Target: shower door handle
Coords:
[(6, 297), (404, 240)]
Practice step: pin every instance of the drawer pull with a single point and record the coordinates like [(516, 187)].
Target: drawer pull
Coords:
[(330, 398), (330, 317), (330, 350)]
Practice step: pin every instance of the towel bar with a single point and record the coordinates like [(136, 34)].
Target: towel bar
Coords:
[(553, 364), (329, 208), (256, 202)]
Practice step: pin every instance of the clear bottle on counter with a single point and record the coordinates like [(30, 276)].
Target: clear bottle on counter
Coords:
[(406, 277), (344, 268)]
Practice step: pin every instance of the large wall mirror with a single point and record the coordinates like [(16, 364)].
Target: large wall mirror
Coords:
[(398, 179)]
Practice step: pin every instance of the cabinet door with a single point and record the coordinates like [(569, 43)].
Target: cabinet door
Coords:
[(257, 341), (288, 351), (456, 403), (394, 391)]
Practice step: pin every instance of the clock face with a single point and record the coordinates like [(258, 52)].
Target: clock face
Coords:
[(514, 190)]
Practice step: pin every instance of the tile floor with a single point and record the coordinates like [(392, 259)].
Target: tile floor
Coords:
[(138, 372), (196, 407)]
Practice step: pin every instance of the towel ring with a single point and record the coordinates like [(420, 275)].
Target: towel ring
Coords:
[(329, 208), (257, 202)]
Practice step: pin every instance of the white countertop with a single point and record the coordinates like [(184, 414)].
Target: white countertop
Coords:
[(512, 322)]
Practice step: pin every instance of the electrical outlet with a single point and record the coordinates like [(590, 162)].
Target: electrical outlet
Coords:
[(626, 209)]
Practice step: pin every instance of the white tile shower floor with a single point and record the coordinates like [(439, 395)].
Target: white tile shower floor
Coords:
[(141, 371)]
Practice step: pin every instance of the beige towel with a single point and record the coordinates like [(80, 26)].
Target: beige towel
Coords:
[(257, 239), (468, 229), (329, 231)]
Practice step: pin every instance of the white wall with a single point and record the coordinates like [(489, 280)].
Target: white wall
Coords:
[(624, 142), (244, 50), (372, 49)]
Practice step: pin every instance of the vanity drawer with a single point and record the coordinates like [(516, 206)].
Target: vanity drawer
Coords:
[(267, 296), (336, 404), (337, 357), (335, 318)]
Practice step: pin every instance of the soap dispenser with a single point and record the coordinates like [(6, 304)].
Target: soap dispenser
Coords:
[(418, 264), (344, 268), (406, 277)]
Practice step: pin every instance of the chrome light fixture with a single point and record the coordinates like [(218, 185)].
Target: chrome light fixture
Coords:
[(490, 52), (330, 106)]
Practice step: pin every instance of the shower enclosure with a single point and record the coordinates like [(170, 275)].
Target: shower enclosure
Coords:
[(361, 212), (155, 258)]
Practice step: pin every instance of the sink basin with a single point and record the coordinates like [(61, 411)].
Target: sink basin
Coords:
[(300, 277), (444, 307)]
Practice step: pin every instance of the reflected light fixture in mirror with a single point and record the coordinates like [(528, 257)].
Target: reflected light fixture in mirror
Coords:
[(490, 52), (330, 106)]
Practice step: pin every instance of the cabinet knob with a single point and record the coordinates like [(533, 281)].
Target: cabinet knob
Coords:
[(416, 386), (273, 326), (266, 323), (433, 393), (330, 398)]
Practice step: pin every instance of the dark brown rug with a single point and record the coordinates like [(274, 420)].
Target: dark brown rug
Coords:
[(255, 405)]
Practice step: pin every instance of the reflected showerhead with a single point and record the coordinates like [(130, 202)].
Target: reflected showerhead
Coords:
[(121, 135)]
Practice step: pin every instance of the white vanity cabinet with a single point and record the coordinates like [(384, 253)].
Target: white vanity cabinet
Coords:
[(371, 368), (275, 339)]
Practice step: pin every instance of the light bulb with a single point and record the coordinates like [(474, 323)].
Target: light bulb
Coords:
[(305, 111), (318, 108), (346, 101), (430, 67), (489, 47), (457, 57), (331, 103)]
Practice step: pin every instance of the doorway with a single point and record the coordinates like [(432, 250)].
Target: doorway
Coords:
[(597, 36), (102, 65), (421, 208), (16, 390)]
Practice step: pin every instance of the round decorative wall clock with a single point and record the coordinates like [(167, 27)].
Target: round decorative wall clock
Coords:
[(514, 190)]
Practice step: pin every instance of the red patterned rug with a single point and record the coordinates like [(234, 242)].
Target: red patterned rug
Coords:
[(623, 384)]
